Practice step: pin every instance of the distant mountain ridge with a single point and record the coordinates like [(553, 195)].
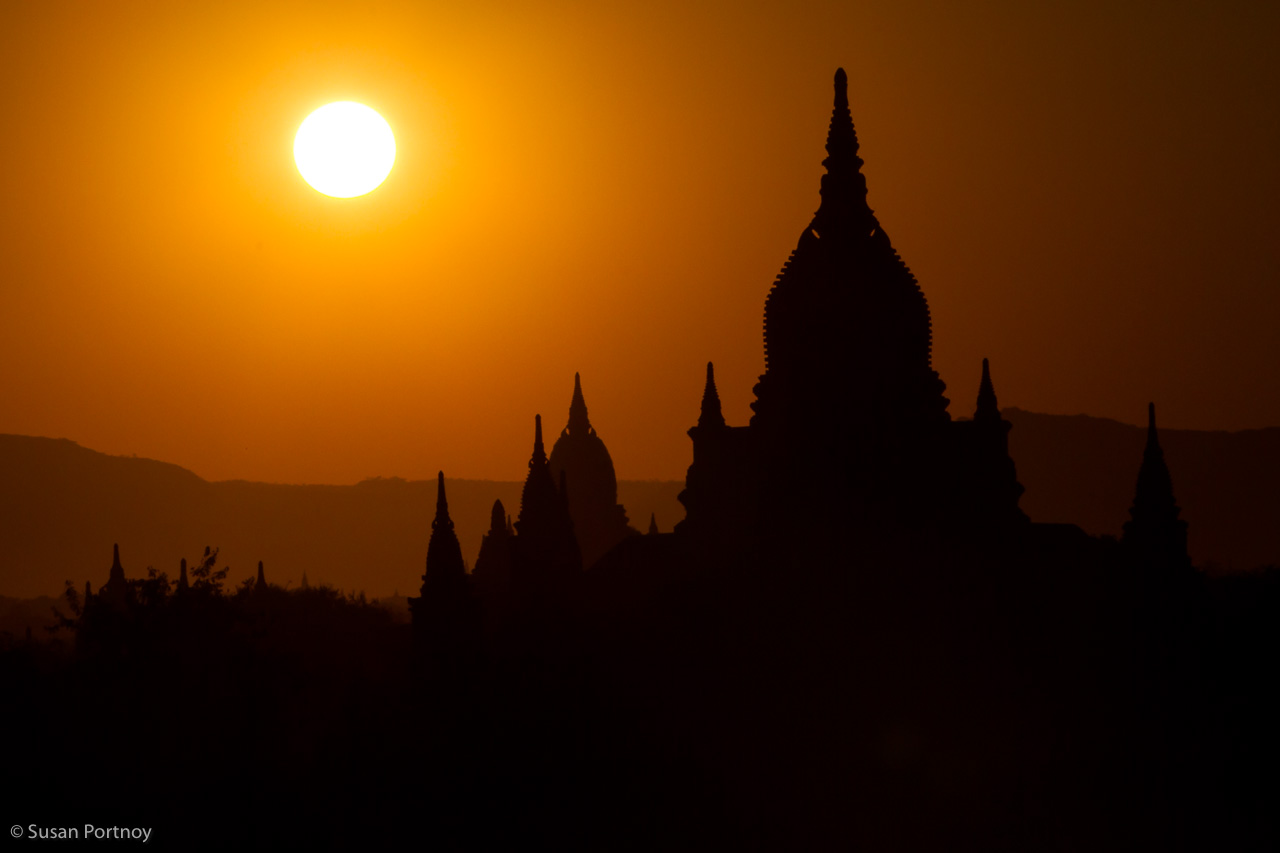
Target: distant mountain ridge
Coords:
[(62, 506)]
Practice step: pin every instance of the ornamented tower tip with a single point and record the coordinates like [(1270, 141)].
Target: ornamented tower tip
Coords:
[(579, 423), (262, 578), (539, 453), (988, 409), (711, 414), (442, 519)]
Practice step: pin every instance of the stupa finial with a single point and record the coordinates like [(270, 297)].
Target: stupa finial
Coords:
[(988, 408), (711, 415), (579, 423)]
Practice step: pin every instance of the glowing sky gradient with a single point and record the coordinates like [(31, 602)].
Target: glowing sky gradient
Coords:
[(1086, 194)]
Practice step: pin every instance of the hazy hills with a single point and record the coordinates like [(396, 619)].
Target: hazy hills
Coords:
[(62, 506)]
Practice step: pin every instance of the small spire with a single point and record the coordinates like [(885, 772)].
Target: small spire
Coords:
[(117, 571), (579, 423), (305, 584), (988, 409), (442, 505), (183, 583), (711, 416), (539, 453), (88, 591), (497, 518), (1154, 528), (653, 524), (262, 578)]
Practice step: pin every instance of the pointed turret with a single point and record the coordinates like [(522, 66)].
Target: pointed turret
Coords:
[(116, 590), (444, 615), (497, 518), (444, 553), (183, 583), (117, 570), (988, 410), (260, 585), (653, 524), (539, 489), (305, 584), (544, 531), (990, 491), (539, 453), (88, 591), (1155, 532), (710, 416), (442, 505), (579, 423)]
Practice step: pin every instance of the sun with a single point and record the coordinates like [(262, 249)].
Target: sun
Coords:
[(344, 149)]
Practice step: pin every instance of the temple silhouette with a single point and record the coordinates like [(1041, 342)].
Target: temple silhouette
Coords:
[(850, 433), (855, 639)]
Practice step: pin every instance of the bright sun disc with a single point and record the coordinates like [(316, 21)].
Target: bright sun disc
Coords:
[(344, 149)]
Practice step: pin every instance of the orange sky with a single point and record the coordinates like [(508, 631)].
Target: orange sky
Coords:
[(1086, 194)]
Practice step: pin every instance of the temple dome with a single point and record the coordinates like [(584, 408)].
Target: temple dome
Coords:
[(599, 521)]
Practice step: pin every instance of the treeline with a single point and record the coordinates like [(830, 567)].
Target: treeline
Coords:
[(903, 695)]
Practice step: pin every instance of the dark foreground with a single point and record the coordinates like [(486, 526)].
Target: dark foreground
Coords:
[(907, 698)]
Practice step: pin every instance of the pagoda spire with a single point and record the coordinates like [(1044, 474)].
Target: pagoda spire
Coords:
[(539, 487), (117, 570), (442, 614), (579, 423), (261, 584), (844, 189), (442, 505), (116, 590), (539, 452), (1154, 529), (444, 554), (653, 524), (711, 416), (183, 583), (988, 409)]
